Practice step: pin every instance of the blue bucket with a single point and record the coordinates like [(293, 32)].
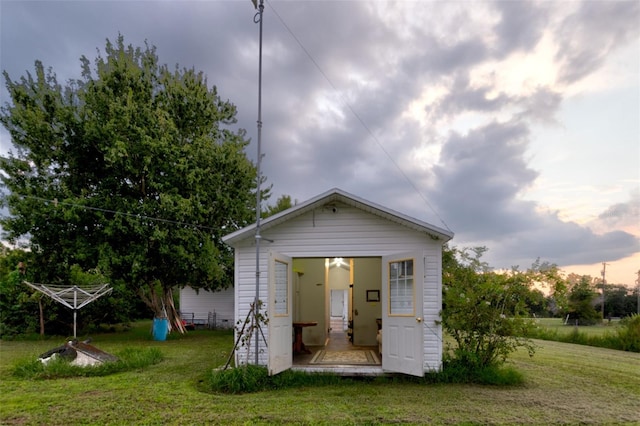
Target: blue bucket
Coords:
[(160, 328)]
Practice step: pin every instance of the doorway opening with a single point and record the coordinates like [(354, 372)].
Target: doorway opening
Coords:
[(332, 294)]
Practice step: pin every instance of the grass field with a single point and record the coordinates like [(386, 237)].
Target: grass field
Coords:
[(565, 384), (557, 325)]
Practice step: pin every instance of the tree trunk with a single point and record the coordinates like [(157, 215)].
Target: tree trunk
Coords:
[(175, 321), (41, 316), (160, 300)]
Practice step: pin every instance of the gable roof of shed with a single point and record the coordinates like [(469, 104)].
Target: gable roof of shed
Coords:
[(338, 195)]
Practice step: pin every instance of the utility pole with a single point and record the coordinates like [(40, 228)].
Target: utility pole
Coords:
[(638, 290), (604, 281)]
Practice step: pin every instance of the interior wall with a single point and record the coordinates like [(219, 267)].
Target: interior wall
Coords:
[(338, 278), (310, 298), (366, 276)]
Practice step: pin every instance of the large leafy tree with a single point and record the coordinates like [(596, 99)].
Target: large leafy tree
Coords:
[(20, 308), (546, 278), (133, 170), (581, 297), (283, 203), (620, 301)]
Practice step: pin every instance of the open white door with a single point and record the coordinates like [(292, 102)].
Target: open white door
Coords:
[(337, 303), (280, 319), (402, 334)]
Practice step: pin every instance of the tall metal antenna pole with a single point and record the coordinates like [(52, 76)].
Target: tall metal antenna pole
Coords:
[(258, 18)]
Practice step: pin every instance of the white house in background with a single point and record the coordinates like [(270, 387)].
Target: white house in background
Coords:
[(394, 274), (203, 308)]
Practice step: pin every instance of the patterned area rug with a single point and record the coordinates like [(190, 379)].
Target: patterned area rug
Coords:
[(355, 357)]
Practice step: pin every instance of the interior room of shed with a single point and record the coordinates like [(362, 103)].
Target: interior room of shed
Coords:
[(338, 292)]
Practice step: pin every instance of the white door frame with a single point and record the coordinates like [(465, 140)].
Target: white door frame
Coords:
[(402, 322), (280, 347)]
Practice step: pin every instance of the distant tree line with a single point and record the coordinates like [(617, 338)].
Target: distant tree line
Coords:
[(579, 298)]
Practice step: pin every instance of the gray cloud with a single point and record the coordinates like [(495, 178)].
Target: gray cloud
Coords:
[(589, 35), (620, 215), (521, 25), (462, 98), (478, 178), (563, 243), (477, 182), (541, 106)]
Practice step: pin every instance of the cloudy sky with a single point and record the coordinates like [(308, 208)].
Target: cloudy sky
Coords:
[(515, 124)]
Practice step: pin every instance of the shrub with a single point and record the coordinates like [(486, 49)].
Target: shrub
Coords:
[(456, 370), (251, 378), (485, 312), (629, 333), (245, 379)]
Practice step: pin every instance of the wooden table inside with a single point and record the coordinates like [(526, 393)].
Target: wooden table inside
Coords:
[(298, 344)]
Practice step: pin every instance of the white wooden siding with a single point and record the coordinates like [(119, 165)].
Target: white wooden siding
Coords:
[(432, 303), (245, 291), (322, 233), (349, 232), (204, 302)]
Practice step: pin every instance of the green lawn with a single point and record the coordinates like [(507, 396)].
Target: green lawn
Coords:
[(565, 383), (556, 324)]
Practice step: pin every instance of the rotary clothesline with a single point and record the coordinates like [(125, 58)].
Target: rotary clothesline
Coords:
[(73, 297)]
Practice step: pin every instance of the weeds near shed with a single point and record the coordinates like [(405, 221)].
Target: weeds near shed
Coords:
[(245, 379), (251, 378), (459, 372), (629, 333)]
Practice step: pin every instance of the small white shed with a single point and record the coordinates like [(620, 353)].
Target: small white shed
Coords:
[(387, 264), (211, 309)]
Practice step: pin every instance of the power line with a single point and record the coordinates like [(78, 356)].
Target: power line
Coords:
[(56, 202), (357, 116), (604, 282)]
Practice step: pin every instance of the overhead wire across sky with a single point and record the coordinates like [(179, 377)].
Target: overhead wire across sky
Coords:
[(56, 202), (356, 115)]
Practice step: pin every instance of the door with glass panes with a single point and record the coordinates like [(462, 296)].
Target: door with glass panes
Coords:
[(402, 326), (279, 307)]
